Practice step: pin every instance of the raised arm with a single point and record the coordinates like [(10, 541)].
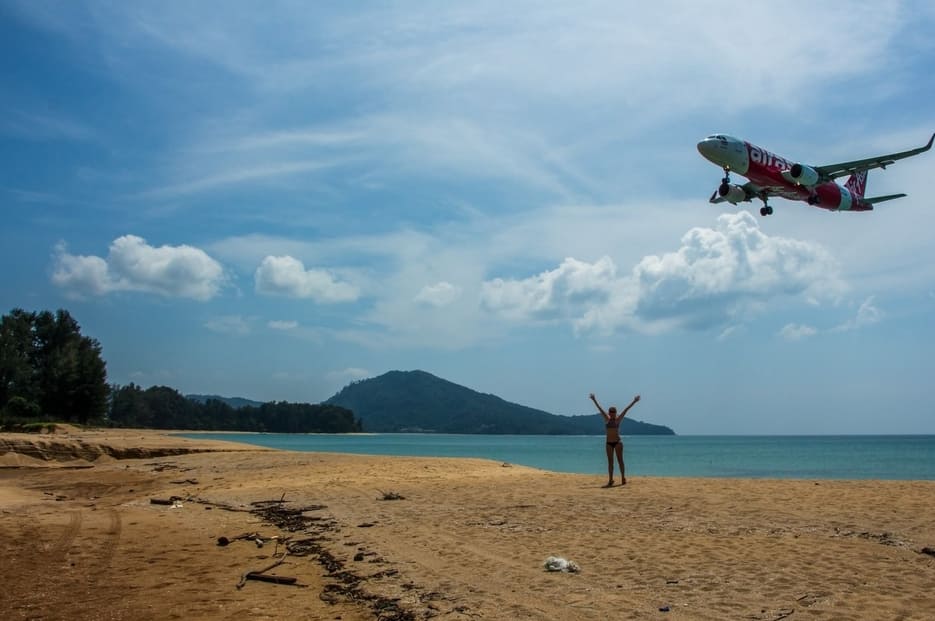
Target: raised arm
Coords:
[(599, 408), (627, 409)]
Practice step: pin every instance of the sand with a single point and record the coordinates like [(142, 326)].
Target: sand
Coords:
[(80, 539)]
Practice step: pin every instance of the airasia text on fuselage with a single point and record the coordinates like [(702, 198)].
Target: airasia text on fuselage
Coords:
[(767, 159)]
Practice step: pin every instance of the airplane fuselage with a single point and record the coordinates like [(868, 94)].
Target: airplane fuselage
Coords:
[(770, 173)]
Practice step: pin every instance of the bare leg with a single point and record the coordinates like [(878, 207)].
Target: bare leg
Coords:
[(623, 472), (610, 464)]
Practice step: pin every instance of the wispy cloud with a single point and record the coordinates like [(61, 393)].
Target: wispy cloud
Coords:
[(797, 331), (229, 324), (43, 127), (440, 294), (282, 325), (867, 315)]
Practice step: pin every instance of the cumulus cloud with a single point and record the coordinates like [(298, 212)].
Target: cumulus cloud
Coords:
[(133, 265), (560, 293), (440, 294), (797, 332), (287, 276), (718, 276), (726, 271)]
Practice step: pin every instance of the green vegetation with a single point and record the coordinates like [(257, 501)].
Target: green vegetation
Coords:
[(419, 401), (161, 407), (48, 370), (50, 373)]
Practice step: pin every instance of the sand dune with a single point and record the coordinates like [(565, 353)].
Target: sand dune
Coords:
[(467, 541)]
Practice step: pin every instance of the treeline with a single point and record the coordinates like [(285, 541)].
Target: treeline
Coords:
[(161, 407), (48, 370)]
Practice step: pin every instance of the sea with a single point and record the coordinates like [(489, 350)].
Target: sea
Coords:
[(891, 457)]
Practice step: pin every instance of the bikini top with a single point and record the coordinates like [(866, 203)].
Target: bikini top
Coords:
[(613, 424)]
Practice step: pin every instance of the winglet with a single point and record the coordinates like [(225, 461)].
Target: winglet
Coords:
[(929, 145)]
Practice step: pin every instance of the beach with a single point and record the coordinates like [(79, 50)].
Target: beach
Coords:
[(416, 538)]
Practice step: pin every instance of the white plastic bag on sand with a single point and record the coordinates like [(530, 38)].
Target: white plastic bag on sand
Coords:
[(557, 563)]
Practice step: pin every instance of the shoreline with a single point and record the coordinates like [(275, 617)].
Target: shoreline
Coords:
[(467, 540)]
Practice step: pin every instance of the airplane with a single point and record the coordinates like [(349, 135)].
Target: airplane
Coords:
[(771, 175)]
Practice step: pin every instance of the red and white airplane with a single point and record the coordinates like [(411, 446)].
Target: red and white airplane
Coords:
[(771, 175)]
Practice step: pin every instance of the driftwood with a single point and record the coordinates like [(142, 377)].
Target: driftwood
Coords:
[(164, 501), (273, 579), (249, 575)]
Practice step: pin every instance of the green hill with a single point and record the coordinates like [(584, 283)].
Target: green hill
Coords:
[(417, 401)]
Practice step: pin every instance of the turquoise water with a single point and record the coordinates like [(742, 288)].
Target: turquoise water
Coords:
[(781, 457)]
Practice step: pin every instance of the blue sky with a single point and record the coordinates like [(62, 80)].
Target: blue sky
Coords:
[(271, 200)]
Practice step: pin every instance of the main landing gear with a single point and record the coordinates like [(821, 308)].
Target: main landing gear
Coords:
[(765, 210)]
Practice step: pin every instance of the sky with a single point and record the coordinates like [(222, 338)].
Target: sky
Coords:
[(272, 200)]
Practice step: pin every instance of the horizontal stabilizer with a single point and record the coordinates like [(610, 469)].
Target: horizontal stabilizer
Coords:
[(880, 199)]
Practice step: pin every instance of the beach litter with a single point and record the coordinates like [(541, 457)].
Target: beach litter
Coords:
[(557, 563)]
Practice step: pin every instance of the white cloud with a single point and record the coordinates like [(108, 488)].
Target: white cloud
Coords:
[(287, 276), (560, 293), (867, 315), (719, 275), (797, 332), (727, 271), (134, 265), (282, 325), (229, 324), (440, 294)]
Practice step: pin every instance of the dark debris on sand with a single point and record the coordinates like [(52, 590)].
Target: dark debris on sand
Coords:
[(347, 583)]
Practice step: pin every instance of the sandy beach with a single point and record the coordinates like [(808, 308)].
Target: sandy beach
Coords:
[(81, 538)]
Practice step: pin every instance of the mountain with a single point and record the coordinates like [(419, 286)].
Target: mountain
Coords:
[(234, 402), (418, 401)]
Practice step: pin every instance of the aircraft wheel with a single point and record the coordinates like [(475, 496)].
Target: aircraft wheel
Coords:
[(763, 211), (769, 210)]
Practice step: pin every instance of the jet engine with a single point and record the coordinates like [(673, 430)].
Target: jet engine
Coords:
[(731, 193), (802, 174)]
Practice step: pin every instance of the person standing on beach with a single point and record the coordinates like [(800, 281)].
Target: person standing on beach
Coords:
[(614, 443)]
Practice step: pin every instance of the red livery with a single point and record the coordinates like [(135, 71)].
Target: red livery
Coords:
[(772, 175)]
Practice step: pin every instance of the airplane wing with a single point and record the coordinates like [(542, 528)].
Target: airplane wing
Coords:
[(848, 168)]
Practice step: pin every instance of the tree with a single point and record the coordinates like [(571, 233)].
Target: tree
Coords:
[(16, 359), (44, 360)]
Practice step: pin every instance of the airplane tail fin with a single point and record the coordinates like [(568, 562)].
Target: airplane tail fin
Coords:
[(857, 184)]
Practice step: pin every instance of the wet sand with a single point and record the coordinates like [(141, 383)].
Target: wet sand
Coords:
[(81, 539)]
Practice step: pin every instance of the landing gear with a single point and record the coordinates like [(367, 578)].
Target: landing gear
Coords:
[(724, 188), (765, 210)]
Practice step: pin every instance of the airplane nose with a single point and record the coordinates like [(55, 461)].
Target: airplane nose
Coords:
[(706, 148)]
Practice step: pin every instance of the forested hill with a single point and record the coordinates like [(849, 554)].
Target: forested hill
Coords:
[(419, 401)]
